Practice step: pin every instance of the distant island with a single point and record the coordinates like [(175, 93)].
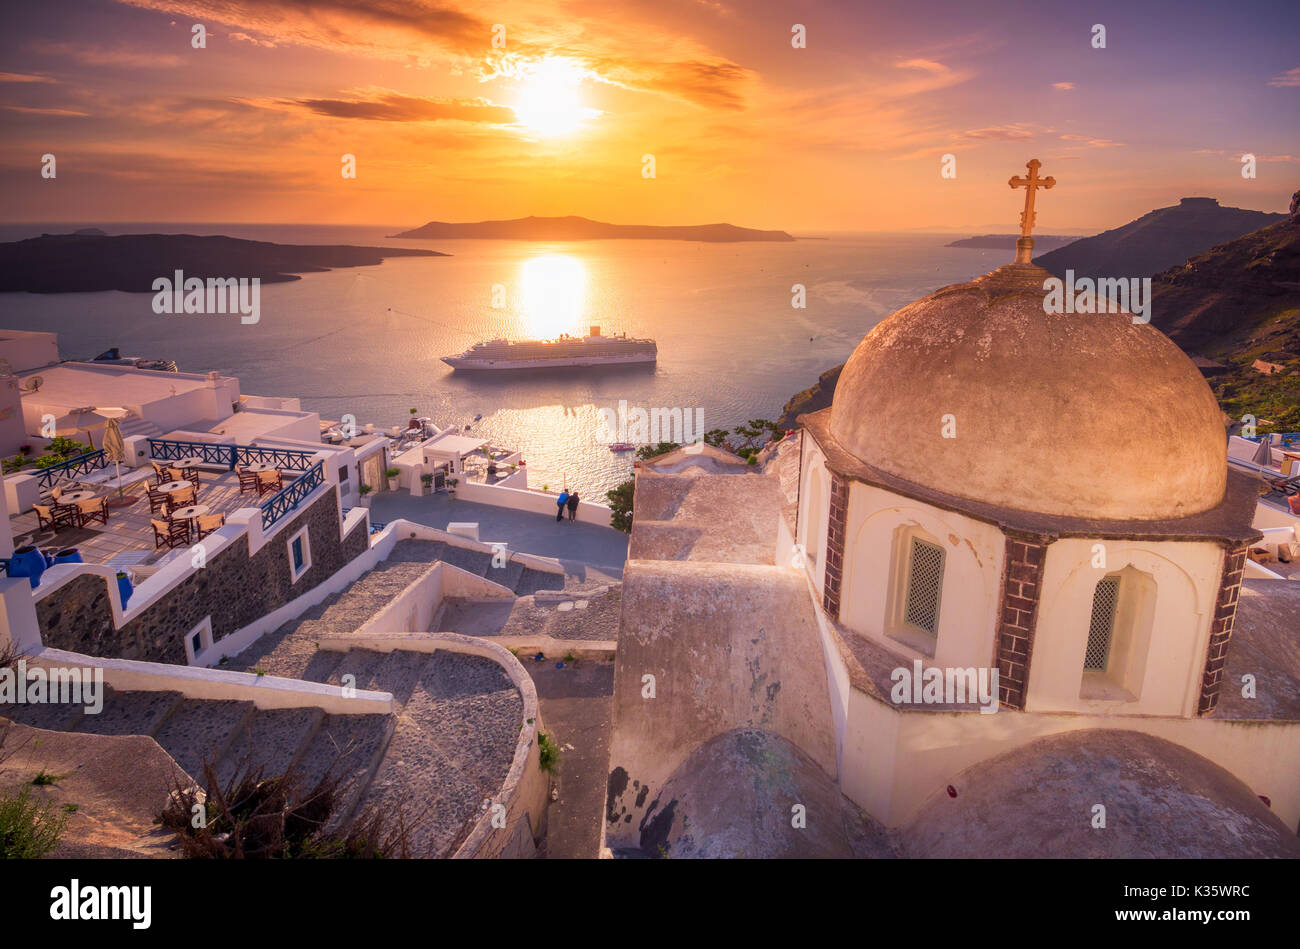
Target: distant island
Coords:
[(1008, 241), (582, 229), (88, 261), (1158, 240)]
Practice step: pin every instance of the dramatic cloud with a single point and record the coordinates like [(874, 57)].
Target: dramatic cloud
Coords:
[(394, 107), (22, 77), (108, 56), (1000, 133), (1289, 78), (253, 40), (1063, 86)]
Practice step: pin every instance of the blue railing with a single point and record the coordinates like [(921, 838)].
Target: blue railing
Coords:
[(72, 468), (288, 498), (229, 456)]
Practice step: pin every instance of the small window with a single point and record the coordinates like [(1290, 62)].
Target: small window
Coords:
[(924, 585), (196, 643), (343, 473), (197, 640), (1101, 630), (299, 554)]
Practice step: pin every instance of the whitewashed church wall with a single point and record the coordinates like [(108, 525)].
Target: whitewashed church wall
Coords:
[(1176, 629), (814, 511), (874, 562)]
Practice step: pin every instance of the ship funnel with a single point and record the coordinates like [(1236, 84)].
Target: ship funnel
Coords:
[(595, 331)]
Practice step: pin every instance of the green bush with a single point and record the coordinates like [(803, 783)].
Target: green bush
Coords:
[(548, 753), (28, 829), (620, 506)]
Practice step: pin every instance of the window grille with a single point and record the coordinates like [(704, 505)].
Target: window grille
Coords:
[(1102, 627), (924, 584)]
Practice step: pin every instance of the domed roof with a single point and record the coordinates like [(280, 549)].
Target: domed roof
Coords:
[(1083, 414)]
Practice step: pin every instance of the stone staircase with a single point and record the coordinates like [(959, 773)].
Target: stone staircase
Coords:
[(585, 616), (135, 425), (436, 760)]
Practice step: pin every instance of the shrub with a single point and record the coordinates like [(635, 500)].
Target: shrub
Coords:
[(28, 829), (548, 753), (620, 506), (392, 472), (260, 817)]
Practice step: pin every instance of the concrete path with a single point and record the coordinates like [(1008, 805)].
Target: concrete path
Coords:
[(576, 702), (539, 534)]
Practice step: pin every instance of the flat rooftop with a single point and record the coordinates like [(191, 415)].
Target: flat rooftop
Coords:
[(88, 384)]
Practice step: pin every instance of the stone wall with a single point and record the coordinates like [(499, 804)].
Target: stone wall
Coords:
[(233, 588), (1225, 614), (1021, 588)]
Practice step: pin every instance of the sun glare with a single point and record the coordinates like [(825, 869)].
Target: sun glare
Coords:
[(549, 98), (554, 295)]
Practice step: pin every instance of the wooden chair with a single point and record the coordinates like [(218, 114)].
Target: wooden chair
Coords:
[(269, 482), (210, 522), (171, 534), (92, 509), (159, 501), (185, 474), (182, 496), (160, 472), (54, 516), (56, 492), (247, 480)]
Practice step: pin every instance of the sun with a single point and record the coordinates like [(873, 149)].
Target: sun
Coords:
[(549, 99)]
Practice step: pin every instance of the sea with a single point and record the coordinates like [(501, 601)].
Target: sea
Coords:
[(368, 341)]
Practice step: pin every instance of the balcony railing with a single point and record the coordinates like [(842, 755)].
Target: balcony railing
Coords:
[(229, 456), (71, 469), (289, 497)]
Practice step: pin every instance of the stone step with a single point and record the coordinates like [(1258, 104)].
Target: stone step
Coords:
[(398, 674), (358, 663), (417, 551), (349, 745), (269, 741), (421, 784), (531, 580), (131, 713), (201, 730), (509, 575), (472, 561), (51, 715)]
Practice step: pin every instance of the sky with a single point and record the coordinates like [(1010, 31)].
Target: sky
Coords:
[(460, 111)]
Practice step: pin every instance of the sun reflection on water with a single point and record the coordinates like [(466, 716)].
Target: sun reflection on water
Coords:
[(553, 295)]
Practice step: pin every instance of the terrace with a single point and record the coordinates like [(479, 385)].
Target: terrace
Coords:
[(128, 539)]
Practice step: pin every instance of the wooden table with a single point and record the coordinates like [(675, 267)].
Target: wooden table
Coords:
[(185, 463), (258, 467), (189, 512), (73, 497), (171, 486)]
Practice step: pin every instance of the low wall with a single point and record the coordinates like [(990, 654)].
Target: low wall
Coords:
[(536, 502), (195, 682)]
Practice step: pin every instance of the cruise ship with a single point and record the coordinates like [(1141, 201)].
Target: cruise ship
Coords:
[(590, 350)]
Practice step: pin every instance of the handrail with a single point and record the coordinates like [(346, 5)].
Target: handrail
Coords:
[(228, 455), (90, 461), (289, 497)]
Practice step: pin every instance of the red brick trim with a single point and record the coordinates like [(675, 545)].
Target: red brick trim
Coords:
[(1225, 614), (1018, 615), (839, 509)]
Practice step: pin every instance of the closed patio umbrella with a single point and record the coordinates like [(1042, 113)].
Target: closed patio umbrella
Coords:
[(115, 449), (1264, 453)]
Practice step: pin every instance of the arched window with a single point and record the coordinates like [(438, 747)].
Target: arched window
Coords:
[(1119, 635)]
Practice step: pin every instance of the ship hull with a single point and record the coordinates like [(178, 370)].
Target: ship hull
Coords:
[(547, 362)]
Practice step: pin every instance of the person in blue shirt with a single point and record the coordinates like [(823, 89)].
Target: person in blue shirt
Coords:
[(562, 500)]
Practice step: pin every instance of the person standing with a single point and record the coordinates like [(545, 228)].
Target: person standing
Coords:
[(559, 504), (573, 507)]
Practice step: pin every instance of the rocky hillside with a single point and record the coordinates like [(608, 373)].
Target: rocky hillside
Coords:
[(1237, 303), (1163, 238)]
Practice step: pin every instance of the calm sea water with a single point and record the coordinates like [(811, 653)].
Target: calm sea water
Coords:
[(368, 340)]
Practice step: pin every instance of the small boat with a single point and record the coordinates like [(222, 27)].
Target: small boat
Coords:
[(621, 446), (477, 417)]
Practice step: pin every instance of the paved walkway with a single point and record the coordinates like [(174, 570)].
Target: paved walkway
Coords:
[(530, 533)]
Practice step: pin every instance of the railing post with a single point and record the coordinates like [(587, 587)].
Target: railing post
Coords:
[(234, 456)]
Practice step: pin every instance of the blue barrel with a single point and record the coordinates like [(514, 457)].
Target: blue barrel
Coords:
[(27, 562), (124, 587), (68, 555)]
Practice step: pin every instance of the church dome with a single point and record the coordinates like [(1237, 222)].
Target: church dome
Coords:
[(1080, 414)]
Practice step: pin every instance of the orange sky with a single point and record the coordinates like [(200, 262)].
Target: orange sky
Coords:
[(847, 133)]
